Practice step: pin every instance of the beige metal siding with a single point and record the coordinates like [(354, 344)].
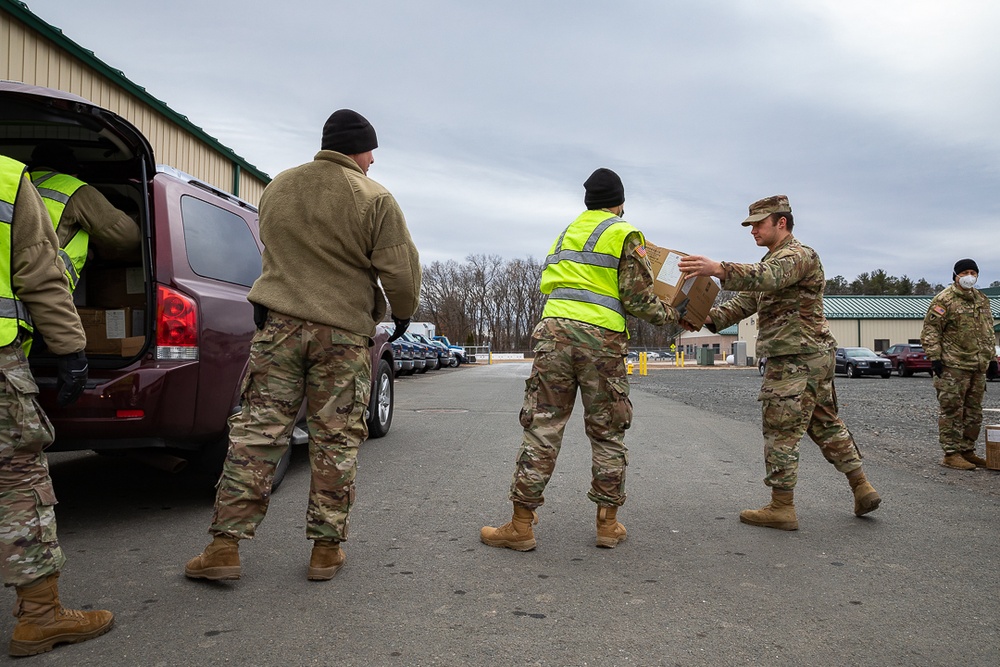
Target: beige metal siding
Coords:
[(848, 333), (864, 333), (29, 58)]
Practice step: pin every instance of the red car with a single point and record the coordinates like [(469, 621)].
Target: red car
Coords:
[(168, 335), (907, 359)]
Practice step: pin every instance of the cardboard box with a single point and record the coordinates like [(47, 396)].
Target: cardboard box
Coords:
[(993, 447), (700, 291), (110, 330), (114, 288)]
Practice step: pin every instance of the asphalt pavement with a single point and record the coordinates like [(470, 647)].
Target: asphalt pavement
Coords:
[(915, 583)]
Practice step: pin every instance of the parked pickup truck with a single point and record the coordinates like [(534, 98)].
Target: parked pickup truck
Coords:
[(457, 351)]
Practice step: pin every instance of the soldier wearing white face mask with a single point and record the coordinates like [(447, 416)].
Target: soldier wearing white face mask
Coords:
[(958, 338)]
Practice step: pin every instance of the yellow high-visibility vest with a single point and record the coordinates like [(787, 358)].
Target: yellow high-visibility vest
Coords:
[(13, 314), (56, 189), (581, 271)]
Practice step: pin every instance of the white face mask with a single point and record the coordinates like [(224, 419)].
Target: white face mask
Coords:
[(968, 282)]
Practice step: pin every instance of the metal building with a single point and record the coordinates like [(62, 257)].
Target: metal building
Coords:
[(875, 322), (36, 53)]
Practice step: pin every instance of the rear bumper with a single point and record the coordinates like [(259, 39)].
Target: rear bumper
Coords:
[(150, 405)]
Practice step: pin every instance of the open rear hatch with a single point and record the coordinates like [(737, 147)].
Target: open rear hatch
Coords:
[(113, 298)]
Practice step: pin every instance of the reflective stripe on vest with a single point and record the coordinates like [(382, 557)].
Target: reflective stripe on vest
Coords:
[(581, 271), (56, 189), (13, 313)]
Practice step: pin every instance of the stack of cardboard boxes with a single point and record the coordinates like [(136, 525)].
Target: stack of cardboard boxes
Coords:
[(115, 315)]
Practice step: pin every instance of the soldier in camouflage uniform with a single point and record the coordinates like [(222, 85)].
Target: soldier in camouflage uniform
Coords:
[(785, 289), (334, 240), (34, 295), (596, 271), (958, 339)]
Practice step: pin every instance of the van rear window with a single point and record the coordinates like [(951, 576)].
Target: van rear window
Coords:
[(219, 243)]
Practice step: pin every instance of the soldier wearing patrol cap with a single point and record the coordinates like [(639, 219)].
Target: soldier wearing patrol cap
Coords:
[(785, 289), (958, 339), (595, 273)]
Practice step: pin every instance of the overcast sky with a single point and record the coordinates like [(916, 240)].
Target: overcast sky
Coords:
[(879, 120)]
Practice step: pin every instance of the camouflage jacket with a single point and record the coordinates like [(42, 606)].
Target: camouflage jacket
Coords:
[(958, 329), (785, 289), (635, 289)]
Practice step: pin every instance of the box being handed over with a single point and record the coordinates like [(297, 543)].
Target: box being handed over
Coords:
[(673, 288)]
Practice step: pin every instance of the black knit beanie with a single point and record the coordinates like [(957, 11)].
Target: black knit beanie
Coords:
[(964, 265), (348, 132), (603, 190)]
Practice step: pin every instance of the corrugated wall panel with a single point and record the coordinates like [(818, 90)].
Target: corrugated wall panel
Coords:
[(33, 60)]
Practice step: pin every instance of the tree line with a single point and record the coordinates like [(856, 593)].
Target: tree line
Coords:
[(489, 300)]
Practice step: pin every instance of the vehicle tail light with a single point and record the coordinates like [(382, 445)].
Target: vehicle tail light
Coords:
[(130, 414), (176, 326)]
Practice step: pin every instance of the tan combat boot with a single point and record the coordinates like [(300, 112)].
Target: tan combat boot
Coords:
[(779, 513), (42, 622), (327, 557), (516, 534), (609, 531), (866, 498), (957, 461), (970, 456), (219, 561)]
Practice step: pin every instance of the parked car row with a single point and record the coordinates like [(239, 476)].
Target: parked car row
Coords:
[(415, 353), (904, 358)]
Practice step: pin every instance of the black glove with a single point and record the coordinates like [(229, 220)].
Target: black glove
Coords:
[(400, 328), (682, 308), (72, 377), (937, 367), (260, 315)]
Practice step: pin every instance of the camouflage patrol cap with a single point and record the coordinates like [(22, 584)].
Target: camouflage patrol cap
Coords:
[(762, 208)]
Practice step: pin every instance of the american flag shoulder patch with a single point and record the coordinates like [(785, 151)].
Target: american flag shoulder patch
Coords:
[(641, 251), (939, 310)]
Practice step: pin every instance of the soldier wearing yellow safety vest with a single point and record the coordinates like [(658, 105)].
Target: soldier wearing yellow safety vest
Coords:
[(34, 295), (79, 212), (596, 273)]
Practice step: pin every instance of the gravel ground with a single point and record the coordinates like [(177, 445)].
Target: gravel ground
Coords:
[(894, 421)]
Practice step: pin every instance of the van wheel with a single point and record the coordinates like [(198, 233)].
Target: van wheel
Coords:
[(212, 457), (380, 407)]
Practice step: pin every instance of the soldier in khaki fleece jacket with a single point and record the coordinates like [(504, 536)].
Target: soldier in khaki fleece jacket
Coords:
[(331, 236)]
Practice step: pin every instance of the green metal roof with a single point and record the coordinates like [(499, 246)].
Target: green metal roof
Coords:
[(20, 11), (851, 307), (731, 331)]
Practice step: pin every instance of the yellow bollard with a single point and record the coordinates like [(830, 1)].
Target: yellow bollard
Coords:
[(642, 363), (680, 358)]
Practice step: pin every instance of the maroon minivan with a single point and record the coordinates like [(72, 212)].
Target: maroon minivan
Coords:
[(168, 333)]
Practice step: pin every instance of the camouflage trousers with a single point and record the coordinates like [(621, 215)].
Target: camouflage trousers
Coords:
[(550, 393), (293, 361), (798, 397), (29, 550), (960, 417)]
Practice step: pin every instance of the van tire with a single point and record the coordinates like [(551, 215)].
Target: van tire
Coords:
[(380, 406)]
